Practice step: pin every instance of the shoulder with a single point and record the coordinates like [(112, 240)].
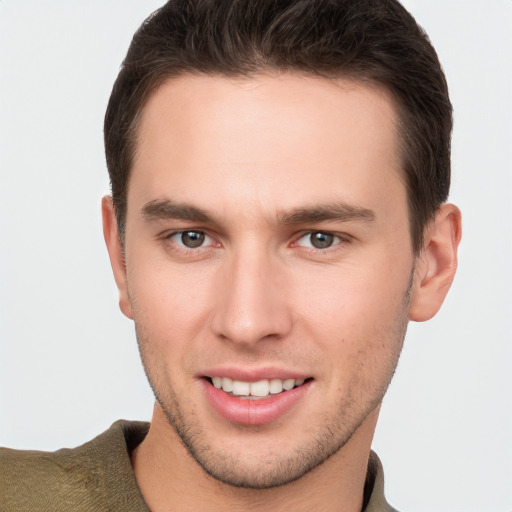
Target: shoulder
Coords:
[(33, 480), (375, 500), (78, 479)]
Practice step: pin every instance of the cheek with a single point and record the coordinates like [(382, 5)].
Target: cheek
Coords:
[(357, 306), (170, 304), (358, 328), (354, 294)]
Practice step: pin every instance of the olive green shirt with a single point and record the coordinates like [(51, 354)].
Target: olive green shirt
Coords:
[(98, 476)]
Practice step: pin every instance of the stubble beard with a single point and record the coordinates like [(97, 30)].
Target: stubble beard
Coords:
[(332, 433)]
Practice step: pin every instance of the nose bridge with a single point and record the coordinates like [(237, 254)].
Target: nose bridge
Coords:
[(250, 306)]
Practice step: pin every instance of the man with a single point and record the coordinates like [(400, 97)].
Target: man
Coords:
[(279, 175)]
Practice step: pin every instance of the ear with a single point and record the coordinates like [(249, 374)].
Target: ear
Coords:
[(436, 264), (115, 252)]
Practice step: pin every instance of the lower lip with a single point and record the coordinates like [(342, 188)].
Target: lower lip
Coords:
[(253, 412)]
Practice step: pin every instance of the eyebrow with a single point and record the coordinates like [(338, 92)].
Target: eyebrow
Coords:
[(166, 209), (340, 212)]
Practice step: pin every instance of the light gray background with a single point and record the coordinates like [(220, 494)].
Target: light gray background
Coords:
[(69, 364)]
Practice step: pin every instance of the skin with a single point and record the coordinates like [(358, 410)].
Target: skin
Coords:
[(258, 156)]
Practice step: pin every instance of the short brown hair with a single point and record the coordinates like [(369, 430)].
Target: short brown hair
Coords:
[(375, 41)]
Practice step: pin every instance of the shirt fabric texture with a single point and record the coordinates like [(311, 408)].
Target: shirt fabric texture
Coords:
[(98, 476)]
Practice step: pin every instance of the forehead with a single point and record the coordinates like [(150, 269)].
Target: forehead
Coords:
[(272, 140)]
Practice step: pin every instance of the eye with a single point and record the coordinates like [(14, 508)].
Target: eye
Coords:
[(190, 239), (318, 240)]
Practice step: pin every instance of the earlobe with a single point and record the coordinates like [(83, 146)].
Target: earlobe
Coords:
[(436, 264), (115, 251)]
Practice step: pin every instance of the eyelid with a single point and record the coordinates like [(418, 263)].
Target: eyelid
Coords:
[(342, 237), (212, 241), (168, 236), (168, 233)]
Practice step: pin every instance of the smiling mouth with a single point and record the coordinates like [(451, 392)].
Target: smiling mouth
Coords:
[(255, 390)]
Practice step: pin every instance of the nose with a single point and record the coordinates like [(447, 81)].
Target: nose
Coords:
[(251, 304)]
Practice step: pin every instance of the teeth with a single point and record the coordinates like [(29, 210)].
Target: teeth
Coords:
[(261, 388), (276, 386), (288, 384), (241, 388), (227, 384)]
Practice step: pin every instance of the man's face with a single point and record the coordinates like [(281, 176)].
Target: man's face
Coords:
[(267, 243)]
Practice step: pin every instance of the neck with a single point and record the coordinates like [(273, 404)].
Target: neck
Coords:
[(170, 478)]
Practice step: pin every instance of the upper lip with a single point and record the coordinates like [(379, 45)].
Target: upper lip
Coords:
[(245, 374)]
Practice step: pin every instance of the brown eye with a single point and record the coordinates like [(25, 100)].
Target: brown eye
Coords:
[(192, 239), (320, 240)]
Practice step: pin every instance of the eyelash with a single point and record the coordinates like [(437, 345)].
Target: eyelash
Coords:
[(337, 239), (179, 247)]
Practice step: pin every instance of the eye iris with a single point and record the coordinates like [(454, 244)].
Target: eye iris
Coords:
[(321, 240), (192, 239)]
